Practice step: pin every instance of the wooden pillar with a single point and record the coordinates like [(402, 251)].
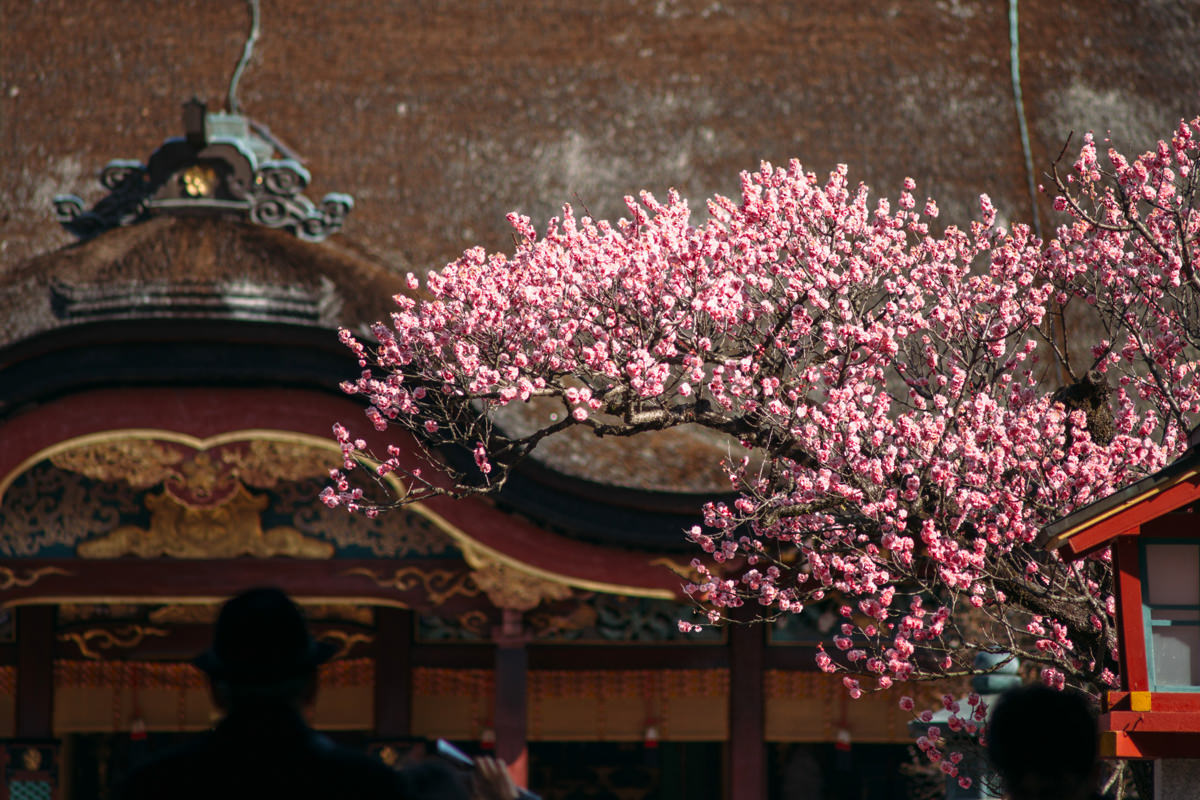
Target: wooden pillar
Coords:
[(747, 766), (512, 672), (35, 672), (393, 673)]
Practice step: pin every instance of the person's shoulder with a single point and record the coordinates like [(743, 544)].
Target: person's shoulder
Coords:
[(365, 772), (167, 770)]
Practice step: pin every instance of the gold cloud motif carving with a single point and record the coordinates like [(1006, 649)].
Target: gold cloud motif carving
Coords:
[(230, 529), (517, 591), (9, 579), (345, 640), (104, 639), (438, 585)]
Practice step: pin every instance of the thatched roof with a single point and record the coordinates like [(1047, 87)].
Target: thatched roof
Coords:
[(184, 267)]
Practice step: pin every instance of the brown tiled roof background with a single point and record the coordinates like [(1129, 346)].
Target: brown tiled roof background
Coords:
[(441, 115)]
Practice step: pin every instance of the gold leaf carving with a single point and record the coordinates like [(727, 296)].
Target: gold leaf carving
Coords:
[(124, 637), (230, 529), (139, 462), (189, 613), (517, 591), (142, 463), (475, 621), (31, 759), (69, 613), (264, 463), (439, 585), (363, 615), (10, 580), (346, 640)]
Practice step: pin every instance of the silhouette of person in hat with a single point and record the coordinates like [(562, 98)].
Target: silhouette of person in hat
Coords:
[(1044, 744), (262, 668)]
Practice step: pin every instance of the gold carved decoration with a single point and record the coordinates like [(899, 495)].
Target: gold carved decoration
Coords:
[(580, 618), (9, 579), (69, 613), (31, 759), (227, 530), (264, 463), (141, 463), (344, 612), (517, 591), (124, 637), (475, 621), (346, 640), (190, 613), (438, 585)]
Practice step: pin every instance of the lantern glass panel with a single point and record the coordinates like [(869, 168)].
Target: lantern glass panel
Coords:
[(1171, 596), (1173, 574), (1176, 655)]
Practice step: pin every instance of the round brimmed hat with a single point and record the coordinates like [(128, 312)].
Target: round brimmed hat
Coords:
[(262, 638)]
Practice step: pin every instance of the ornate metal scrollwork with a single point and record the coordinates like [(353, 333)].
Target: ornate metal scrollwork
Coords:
[(221, 174), (283, 178)]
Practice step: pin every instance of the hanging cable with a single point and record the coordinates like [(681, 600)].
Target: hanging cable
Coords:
[(1015, 61), (231, 101)]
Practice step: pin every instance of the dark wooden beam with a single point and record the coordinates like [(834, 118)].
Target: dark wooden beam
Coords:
[(512, 681), (747, 750), (393, 672), (362, 581), (35, 672)]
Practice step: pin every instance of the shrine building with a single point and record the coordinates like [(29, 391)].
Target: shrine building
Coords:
[(168, 384)]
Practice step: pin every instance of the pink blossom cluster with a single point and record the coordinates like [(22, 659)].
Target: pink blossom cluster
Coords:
[(901, 390)]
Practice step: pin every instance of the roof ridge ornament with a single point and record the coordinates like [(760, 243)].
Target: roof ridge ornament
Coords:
[(220, 167)]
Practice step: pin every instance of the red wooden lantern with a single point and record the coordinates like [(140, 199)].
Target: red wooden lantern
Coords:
[(1153, 528)]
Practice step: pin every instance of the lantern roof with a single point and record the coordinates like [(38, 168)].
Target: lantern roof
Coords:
[(1124, 512)]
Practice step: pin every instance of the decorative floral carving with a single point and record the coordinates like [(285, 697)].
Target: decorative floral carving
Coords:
[(31, 759), (124, 638), (205, 474), (405, 533), (264, 463), (141, 463), (88, 491), (519, 591), (228, 530), (185, 614), (47, 507), (70, 613), (438, 585), (471, 626), (613, 618)]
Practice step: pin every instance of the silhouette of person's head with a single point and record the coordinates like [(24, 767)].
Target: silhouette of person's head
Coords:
[(1043, 744), (262, 652)]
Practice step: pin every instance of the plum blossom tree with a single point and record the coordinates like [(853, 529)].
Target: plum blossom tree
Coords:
[(896, 387)]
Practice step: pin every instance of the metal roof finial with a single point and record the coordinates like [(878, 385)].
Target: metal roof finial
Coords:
[(231, 102)]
